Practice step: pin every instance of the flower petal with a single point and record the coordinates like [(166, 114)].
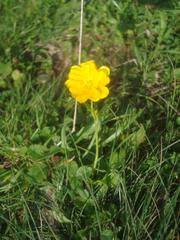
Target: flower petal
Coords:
[(102, 78), (81, 98), (90, 64), (105, 69), (94, 95), (73, 84), (104, 92), (75, 73)]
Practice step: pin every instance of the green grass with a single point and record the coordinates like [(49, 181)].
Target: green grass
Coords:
[(48, 187)]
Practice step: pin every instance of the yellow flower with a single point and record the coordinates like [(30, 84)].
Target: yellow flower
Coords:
[(87, 82)]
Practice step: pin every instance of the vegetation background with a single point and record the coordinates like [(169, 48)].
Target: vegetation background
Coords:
[(48, 189)]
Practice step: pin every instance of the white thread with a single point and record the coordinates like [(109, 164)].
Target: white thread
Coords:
[(79, 61), (80, 32)]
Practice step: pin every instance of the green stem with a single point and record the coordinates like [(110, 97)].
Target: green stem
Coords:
[(96, 121)]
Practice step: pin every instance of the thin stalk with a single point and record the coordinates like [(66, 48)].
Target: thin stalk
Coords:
[(79, 60), (96, 122)]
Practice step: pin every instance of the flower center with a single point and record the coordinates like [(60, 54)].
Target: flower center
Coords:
[(89, 82)]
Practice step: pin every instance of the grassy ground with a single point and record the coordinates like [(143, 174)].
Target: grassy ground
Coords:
[(48, 188)]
